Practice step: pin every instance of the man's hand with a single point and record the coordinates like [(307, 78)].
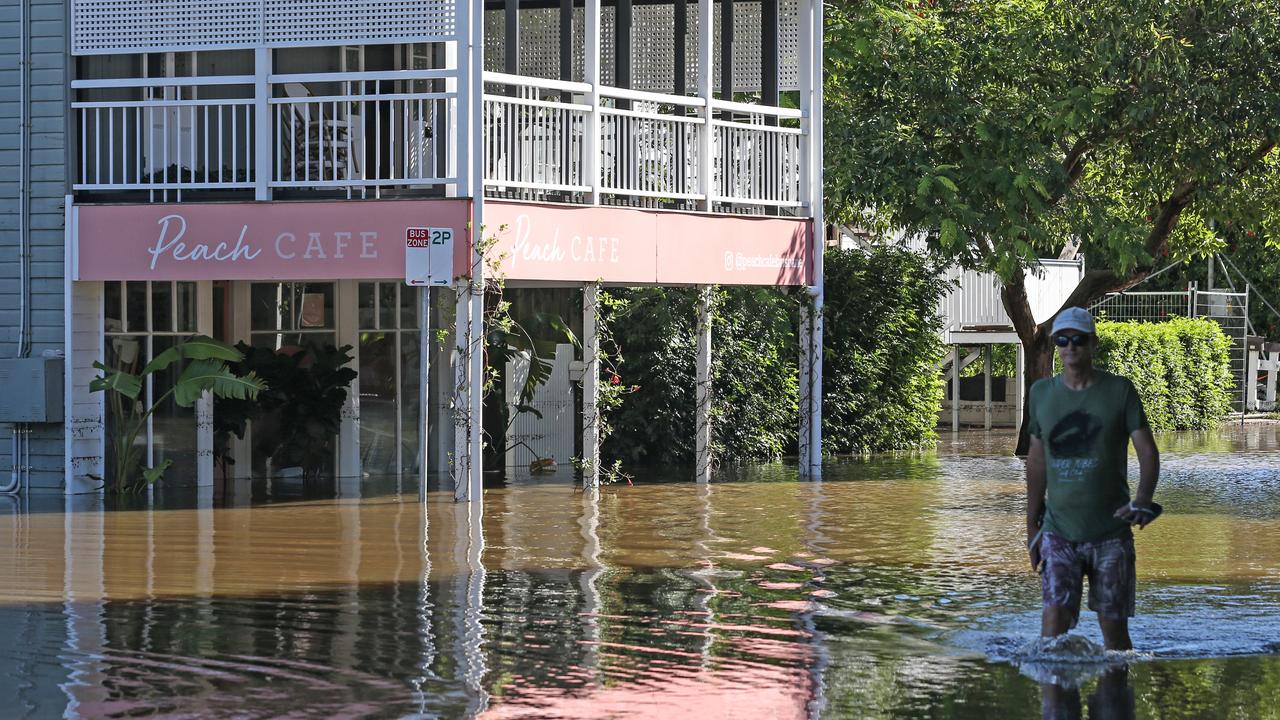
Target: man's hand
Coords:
[(1138, 512)]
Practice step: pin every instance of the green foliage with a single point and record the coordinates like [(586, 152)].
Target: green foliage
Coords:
[(208, 369), (302, 402), (881, 388), (754, 391), (1000, 130), (1181, 369)]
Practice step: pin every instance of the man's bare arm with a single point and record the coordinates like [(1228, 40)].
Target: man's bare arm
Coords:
[(1035, 496), (1144, 444)]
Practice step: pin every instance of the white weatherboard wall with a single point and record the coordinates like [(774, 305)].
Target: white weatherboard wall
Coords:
[(47, 182)]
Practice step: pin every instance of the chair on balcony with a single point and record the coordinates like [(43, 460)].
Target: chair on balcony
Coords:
[(321, 145)]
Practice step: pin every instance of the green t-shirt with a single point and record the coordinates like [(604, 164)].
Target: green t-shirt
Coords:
[(1086, 450)]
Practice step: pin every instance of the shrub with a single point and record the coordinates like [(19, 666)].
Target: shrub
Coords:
[(1181, 369), (881, 387)]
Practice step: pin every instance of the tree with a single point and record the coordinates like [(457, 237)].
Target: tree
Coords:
[(1002, 131)]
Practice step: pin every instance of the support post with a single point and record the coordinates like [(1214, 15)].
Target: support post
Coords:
[(769, 52), (806, 378), (1019, 380), (706, 141), (566, 43), (590, 386), (424, 389), (986, 386), (726, 49), (622, 48), (511, 39), (680, 82), (591, 141), (702, 392), (204, 406), (955, 388), (1251, 377), (349, 470), (263, 122), (814, 194)]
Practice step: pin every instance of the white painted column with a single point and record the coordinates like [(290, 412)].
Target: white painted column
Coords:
[(85, 412), (812, 195), (1251, 379), (263, 122), (1020, 373), (804, 340), (474, 136), (702, 391), (590, 386), (461, 464), (1273, 369), (349, 467), (706, 75), (424, 388), (986, 386), (204, 406), (955, 388), (591, 72)]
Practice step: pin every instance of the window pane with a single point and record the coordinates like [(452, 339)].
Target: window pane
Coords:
[(410, 404), (162, 306), (386, 305), (321, 311), (113, 308), (378, 402), (186, 307), (173, 426), (365, 305), (409, 306), (136, 307), (128, 353), (270, 304)]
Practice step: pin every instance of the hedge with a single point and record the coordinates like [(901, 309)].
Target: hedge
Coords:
[(1180, 367), (881, 348)]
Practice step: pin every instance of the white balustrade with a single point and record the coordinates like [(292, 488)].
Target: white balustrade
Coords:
[(976, 303), (649, 145), (534, 134), (360, 130), (164, 134)]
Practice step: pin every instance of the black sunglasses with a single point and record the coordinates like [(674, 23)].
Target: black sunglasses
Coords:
[(1065, 340)]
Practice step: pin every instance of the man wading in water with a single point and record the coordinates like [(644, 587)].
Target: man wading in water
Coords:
[(1081, 423)]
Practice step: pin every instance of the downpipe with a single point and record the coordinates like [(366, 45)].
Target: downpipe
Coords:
[(21, 448)]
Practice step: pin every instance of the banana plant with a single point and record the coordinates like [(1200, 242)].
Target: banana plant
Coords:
[(207, 370)]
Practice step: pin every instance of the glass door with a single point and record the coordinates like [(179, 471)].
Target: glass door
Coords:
[(390, 406), (288, 318)]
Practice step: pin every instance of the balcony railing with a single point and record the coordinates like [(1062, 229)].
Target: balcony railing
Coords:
[(361, 133), (538, 137), (354, 131)]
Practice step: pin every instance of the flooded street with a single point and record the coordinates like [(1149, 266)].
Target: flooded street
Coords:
[(896, 587)]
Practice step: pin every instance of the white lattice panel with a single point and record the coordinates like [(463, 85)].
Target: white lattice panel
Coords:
[(313, 22), (652, 43), (120, 26), (103, 26)]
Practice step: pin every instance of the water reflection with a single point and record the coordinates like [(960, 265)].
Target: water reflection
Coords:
[(887, 590)]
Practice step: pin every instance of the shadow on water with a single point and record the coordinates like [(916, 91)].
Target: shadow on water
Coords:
[(895, 588)]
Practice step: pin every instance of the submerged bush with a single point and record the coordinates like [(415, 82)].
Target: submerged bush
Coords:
[(881, 387), (882, 390), (1181, 369)]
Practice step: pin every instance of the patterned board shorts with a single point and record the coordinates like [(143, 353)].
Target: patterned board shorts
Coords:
[(1109, 565)]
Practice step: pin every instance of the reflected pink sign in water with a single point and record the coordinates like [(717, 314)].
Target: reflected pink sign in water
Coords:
[(623, 245), (257, 241)]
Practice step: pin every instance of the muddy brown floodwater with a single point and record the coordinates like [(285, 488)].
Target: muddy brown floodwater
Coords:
[(896, 587)]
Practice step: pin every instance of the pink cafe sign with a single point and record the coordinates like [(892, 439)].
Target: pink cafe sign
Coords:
[(257, 241), (621, 245)]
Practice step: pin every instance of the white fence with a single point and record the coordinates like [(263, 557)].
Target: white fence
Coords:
[(976, 303), (542, 135)]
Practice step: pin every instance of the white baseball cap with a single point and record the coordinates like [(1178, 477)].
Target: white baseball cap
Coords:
[(1074, 318)]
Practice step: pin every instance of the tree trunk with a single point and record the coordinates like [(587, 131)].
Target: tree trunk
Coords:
[(1037, 350)]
